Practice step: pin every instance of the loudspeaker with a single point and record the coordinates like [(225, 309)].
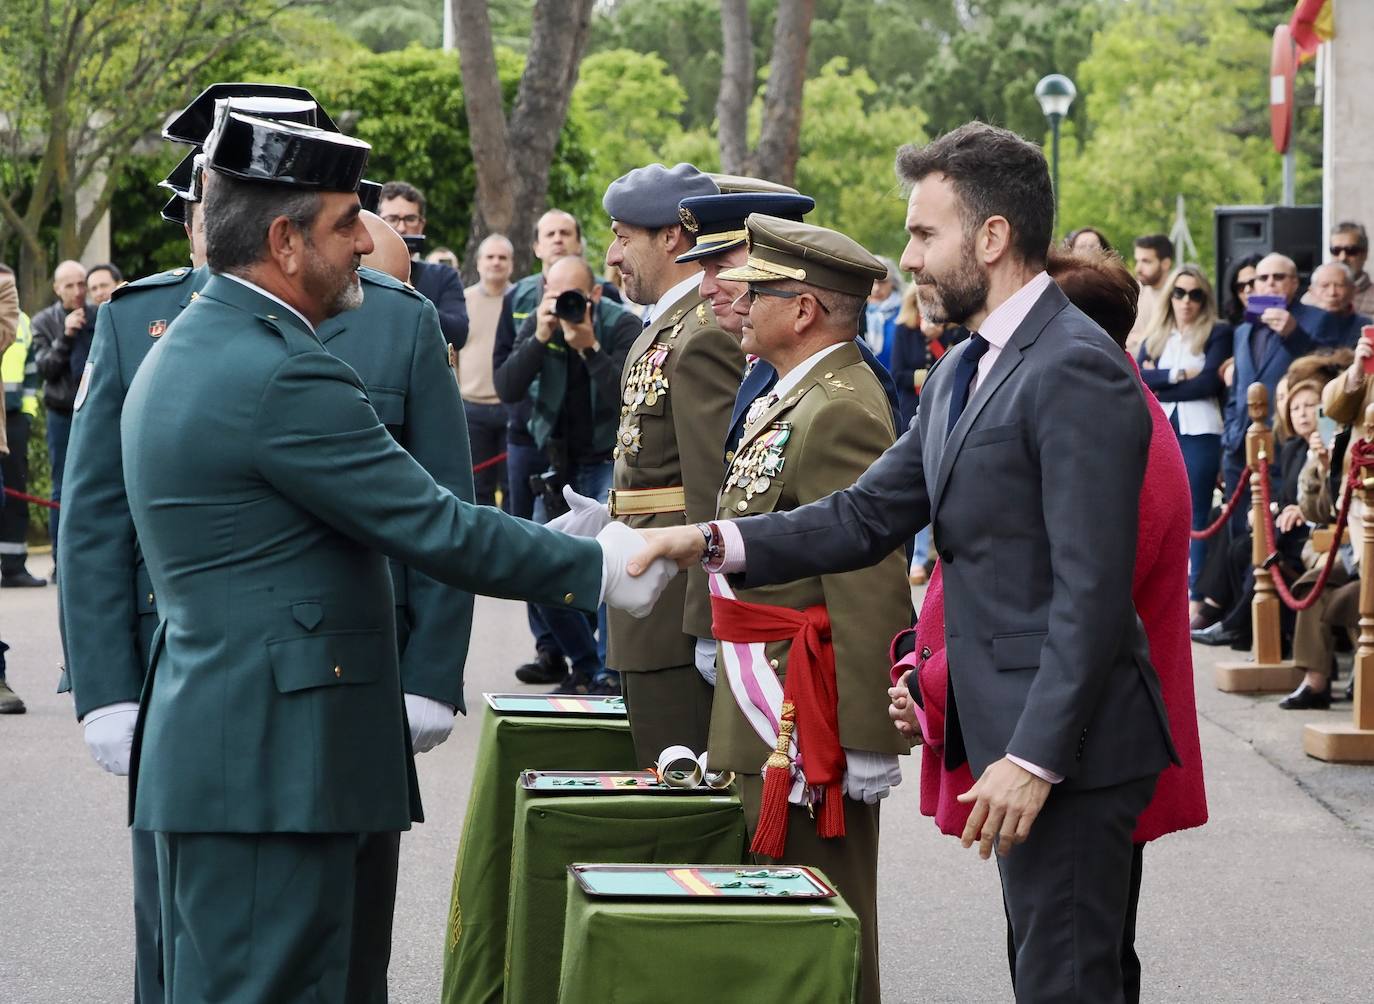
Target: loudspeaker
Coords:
[(1244, 230)]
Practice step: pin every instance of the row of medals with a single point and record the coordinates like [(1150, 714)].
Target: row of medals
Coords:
[(644, 385), (761, 461)]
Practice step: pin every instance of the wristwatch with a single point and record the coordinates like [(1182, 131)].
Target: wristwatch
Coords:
[(713, 544)]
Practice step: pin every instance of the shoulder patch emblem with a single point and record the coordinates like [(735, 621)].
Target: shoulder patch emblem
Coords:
[(156, 328), (85, 386)]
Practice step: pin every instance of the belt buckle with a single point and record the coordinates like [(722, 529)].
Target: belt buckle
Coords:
[(610, 504)]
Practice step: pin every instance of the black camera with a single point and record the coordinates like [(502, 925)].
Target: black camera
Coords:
[(571, 306), (415, 243), (549, 487)]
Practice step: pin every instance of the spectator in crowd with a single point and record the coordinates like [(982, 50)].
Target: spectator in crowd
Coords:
[(62, 334), (1350, 244), (1333, 291), (444, 256), (20, 374), (567, 360), (402, 207), (911, 360), (10, 702), (1154, 260), (1265, 347), (101, 281), (884, 303), (486, 417), (1180, 361), (1240, 284), (1087, 239)]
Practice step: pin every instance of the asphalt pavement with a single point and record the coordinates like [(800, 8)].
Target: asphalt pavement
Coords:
[(1273, 900)]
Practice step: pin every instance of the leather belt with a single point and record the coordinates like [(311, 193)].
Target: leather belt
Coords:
[(637, 502)]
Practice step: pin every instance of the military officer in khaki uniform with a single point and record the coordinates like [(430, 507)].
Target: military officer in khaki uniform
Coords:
[(678, 389), (824, 422)]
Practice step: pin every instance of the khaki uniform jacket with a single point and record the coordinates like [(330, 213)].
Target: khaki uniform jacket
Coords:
[(675, 440), (837, 422)]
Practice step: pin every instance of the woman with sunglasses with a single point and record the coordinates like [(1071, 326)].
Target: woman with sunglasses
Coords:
[(1241, 285), (1180, 361)]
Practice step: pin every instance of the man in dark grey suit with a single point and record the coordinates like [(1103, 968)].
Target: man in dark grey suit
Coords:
[(1027, 457)]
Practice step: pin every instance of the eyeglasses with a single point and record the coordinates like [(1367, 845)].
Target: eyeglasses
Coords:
[(1248, 284), (409, 219), (1196, 295), (1276, 277), (756, 291), (1341, 250)]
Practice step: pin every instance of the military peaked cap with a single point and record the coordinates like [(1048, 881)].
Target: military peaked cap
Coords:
[(785, 249), (731, 184), (718, 220)]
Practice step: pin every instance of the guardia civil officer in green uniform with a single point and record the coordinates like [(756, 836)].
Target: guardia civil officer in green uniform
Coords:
[(825, 421), (677, 390), (264, 491), (111, 613)]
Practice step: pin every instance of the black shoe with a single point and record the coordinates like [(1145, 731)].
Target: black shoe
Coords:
[(22, 580), (10, 704), (1206, 616), (1307, 699), (574, 683), (1217, 634), (607, 685), (546, 668), (1348, 694)]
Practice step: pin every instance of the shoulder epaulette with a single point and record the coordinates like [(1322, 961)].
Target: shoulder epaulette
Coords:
[(375, 278), (171, 277)]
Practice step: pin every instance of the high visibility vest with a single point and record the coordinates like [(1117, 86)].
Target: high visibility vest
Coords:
[(19, 371)]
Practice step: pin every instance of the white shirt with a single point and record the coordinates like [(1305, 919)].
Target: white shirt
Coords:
[(652, 312), (998, 327), (262, 292), (1195, 418)]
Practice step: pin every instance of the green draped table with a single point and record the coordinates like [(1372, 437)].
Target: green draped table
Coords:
[(688, 949), (553, 830), (475, 945)]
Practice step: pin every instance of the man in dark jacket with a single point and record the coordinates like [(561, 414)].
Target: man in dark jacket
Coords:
[(402, 206), (62, 334)]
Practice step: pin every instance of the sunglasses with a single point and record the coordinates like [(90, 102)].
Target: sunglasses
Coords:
[(1341, 250), (755, 292), (1196, 295), (1248, 284), (1276, 277)]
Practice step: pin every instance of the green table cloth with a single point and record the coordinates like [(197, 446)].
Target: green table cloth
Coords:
[(475, 946), (617, 951), (554, 830)]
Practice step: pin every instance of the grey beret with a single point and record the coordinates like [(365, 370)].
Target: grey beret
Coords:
[(649, 196)]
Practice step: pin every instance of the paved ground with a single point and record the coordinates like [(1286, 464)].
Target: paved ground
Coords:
[(1271, 901)]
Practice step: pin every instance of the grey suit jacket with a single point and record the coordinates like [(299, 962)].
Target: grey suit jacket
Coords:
[(1035, 502)]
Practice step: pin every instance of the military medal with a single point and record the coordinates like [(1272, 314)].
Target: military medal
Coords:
[(645, 384)]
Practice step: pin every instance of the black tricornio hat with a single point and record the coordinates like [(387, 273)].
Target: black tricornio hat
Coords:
[(284, 153), (184, 179), (276, 101)]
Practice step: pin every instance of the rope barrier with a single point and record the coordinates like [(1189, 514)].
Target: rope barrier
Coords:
[(490, 462), (1226, 510), (45, 503)]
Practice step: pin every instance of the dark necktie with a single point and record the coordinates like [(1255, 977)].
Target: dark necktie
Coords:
[(964, 371), (1259, 343)]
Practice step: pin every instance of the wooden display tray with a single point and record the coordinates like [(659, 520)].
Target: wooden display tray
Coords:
[(557, 705), (670, 882)]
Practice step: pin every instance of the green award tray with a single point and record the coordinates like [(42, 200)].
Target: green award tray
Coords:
[(784, 882), (583, 706)]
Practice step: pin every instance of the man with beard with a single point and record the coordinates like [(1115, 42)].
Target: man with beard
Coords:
[(266, 492), (1027, 457)]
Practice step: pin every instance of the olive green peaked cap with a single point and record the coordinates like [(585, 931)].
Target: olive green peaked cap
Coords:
[(786, 249)]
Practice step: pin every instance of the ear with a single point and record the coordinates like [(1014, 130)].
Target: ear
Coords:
[(286, 246), (993, 240), (671, 236), (808, 313)]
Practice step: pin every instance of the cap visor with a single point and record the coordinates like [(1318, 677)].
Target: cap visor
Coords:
[(707, 250)]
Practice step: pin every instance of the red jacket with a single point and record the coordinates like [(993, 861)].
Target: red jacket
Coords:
[(1161, 599)]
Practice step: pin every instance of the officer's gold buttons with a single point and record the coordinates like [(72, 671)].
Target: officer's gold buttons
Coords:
[(741, 505), (829, 375), (773, 663), (568, 598), (150, 599), (338, 672), (271, 317), (730, 457)]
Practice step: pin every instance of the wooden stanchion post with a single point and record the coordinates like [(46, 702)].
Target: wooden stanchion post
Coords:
[(1354, 743), (1266, 671)]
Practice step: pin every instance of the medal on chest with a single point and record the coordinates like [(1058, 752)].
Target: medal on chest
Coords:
[(645, 385), (756, 465)]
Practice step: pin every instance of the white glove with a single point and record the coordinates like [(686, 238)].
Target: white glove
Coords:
[(870, 776), (704, 655), (585, 517), (636, 596), (430, 721), (109, 734)]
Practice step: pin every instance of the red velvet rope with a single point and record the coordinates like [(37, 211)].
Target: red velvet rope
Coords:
[(1226, 510)]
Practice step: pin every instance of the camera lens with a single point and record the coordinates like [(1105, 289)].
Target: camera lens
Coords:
[(571, 305)]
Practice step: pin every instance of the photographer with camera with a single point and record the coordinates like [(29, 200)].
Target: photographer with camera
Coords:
[(566, 363)]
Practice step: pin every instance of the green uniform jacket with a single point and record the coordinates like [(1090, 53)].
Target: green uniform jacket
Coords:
[(107, 635), (679, 437), (265, 492), (837, 421)]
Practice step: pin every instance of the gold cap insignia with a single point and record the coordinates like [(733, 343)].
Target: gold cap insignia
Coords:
[(688, 219)]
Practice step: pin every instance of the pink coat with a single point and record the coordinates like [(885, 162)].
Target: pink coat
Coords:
[(1160, 591)]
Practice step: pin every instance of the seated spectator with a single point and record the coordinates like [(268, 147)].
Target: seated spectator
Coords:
[(880, 317), (1086, 239), (1180, 361), (1332, 292), (1350, 244)]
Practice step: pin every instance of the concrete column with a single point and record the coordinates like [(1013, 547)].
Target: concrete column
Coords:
[(1348, 119), (97, 249)]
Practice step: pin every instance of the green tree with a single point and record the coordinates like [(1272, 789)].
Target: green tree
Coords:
[(630, 104)]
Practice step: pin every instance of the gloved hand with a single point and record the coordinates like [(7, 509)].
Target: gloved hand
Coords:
[(636, 595), (109, 734), (430, 721), (704, 656), (585, 517), (870, 776)]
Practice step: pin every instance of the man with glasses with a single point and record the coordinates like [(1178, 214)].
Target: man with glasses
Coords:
[(402, 207), (1266, 343), (1350, 246)]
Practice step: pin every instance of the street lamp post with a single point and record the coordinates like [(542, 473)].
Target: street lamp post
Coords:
[(1055, 94)]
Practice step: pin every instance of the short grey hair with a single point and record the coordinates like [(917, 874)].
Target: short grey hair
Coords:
[(239, 213), (1346, 270)]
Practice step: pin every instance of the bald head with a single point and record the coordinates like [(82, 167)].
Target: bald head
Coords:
[(389, 253), (1333, 288), (69, 283), (1277, 275)]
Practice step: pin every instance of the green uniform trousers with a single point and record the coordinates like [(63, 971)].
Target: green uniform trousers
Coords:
[(851, 862), (271, 918), (667, 707)]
